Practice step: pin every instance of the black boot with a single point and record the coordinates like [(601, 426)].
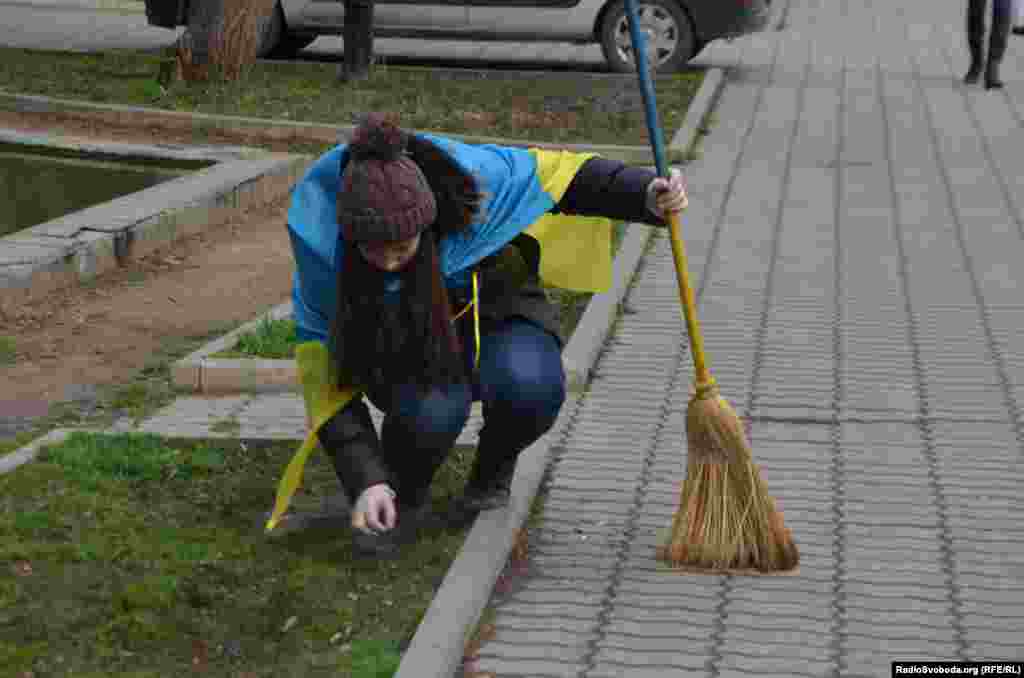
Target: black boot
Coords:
[(975, 39), (489, 487), (997, 40), (974, 72), (992, 80)]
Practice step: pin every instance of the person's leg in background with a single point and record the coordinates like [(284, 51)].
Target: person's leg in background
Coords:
[(522, 388), (1000, 32), (1018, 17), (975, 39)]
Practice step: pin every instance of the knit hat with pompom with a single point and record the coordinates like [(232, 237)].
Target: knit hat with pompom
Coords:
[(384, 195)]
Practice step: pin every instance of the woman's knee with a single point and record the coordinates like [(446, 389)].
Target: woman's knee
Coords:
[(524, 372), (441, 412)]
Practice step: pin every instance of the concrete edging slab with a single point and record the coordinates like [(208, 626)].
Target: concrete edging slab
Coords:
[(79, 246), (438, 645)]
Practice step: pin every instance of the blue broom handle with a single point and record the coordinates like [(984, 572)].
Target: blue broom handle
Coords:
[(646, 86)]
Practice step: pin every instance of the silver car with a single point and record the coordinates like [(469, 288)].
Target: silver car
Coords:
[(677, 30)]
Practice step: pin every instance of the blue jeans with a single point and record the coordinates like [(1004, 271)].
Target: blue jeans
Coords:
[(521, 384)]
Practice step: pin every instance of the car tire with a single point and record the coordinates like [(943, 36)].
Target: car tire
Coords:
[(676, 40), (271, 33)]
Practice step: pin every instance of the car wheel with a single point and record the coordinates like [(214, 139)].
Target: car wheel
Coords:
[(671, 40), (271, 32)]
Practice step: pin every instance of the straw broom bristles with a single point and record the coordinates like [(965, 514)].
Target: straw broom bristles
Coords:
[(726, 519)]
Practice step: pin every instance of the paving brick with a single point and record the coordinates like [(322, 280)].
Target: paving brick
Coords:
[(1009, 637), (896, 615), (683, 623), (505, 621), (561, 610), (983, 596), (605, 669), (665, 646), (684, 657), (781, 597), (982, 651), (900, 647), (1004, 581), (693, 597), (884, 628), (993, 548), (565, 499), (532, 668), (544, 646), (665, 582), (889, 509), (821, 610), (933, 579), (878, 664), (775, 639), (777, 664), (854, 590)]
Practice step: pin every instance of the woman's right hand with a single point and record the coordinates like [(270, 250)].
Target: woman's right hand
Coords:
[(375, 509)]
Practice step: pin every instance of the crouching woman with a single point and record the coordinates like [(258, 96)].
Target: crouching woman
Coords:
[(419, 262)]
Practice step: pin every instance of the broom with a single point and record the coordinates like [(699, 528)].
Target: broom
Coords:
[(726, 521)]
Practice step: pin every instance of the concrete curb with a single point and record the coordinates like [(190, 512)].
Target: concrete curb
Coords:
[(23, 103), (203, 374), (438, 646), (79, 246)]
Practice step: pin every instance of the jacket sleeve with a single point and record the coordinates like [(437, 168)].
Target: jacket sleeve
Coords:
[(351, 442), (612, 189)]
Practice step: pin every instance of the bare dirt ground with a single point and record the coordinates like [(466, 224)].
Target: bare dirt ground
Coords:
[(104, 334)]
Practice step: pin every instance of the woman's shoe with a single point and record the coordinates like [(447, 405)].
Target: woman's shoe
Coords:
[(973, 73), (1018, 30), (483, 494), (992, 80)]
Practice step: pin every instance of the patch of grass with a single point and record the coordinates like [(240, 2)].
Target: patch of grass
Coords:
[(148, 558), (271, 339), (8, 350), (545, 107)]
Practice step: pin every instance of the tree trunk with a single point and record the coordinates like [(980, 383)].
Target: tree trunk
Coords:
[(222, 36)]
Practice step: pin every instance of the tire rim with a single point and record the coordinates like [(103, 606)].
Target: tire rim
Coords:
[(660, 29)]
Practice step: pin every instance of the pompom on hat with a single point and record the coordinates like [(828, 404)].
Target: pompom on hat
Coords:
[(384, 195)]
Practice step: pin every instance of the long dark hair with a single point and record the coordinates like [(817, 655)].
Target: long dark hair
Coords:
[(411, 341)]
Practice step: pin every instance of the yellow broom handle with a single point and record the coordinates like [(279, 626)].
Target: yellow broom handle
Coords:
[(687, 299)]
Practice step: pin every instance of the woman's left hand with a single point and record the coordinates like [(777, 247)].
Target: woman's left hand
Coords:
[(665, 196)]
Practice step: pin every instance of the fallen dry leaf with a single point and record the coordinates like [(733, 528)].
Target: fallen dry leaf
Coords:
[(200, 654), (475, 120), (23, 568), (289, 624), (520, 547), (528, 120)]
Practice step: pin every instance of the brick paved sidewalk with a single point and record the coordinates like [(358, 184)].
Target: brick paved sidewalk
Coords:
[(856, 232)]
